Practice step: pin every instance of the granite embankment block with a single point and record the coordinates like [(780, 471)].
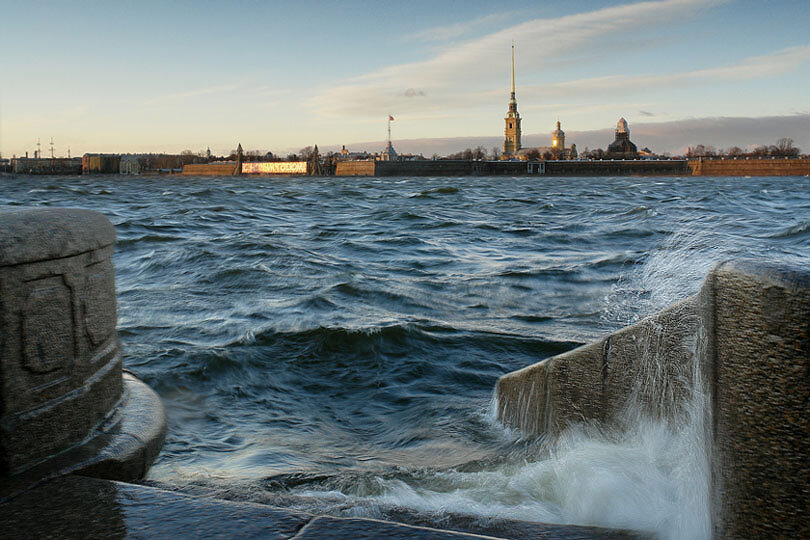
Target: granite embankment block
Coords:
[(743, 341), (647, 364), (761, 402)]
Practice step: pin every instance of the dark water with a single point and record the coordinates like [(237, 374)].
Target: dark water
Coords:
[(333, 343)]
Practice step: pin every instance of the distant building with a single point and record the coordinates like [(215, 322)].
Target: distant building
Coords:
[(131, 164), (345, 155), (511, 141), (101, 163), (45, 165), (621, 147)]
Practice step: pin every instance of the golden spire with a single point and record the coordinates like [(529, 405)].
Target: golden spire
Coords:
[(513, 70)]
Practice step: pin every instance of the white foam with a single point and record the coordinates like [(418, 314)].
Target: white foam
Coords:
[(648, 475)]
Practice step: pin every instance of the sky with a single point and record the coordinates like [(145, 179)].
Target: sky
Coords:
[(278, 76)]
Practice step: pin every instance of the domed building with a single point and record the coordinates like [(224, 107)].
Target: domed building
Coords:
[(557, 150), (558, 138), (622, 147)]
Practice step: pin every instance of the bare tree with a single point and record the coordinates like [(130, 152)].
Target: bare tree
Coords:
[(760, 151), (533, 154), (785, 147), (700, 150)]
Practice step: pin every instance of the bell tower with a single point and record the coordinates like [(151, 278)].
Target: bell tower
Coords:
[(511, 142)]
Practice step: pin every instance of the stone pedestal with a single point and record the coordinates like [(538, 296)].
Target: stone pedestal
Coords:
[(61, 383)]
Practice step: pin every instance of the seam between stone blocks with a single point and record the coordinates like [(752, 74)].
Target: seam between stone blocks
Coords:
[(304, 527), (605, 355), (65, 257)]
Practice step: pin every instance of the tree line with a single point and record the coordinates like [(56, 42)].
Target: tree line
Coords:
[(784, 147)]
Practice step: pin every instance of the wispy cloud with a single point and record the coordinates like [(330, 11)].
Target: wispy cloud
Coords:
[(448, 76), (757, 67), (460, 29)]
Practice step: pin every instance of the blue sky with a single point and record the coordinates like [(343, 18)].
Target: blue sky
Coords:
[(149, 76)]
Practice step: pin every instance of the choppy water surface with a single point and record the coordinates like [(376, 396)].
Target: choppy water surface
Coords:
[(333, 344)]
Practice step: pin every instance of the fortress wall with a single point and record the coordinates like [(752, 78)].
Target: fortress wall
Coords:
[(750, 167), (617, 168), (448, 167), (209, 169), (428, 167), (747, 332), (355, 168)]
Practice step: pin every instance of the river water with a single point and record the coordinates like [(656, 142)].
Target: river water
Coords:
[(332, 344)]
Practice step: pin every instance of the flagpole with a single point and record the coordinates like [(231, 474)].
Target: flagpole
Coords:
[(389, 129)]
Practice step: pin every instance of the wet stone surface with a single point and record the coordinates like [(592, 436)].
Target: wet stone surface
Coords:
[(82, 507)]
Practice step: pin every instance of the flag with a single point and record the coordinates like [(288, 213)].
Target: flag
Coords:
[(390, 118)]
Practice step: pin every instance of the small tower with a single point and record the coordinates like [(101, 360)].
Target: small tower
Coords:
[(511, 142), (558, 139)]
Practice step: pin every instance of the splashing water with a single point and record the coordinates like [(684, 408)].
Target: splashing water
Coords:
[(331, 344), (647, 474)]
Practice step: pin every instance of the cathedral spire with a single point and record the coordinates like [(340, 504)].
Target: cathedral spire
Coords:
[(513, 70), (511, 142)]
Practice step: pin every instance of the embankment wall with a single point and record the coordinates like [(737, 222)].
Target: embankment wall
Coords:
[(750, 167), (746, 335)]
